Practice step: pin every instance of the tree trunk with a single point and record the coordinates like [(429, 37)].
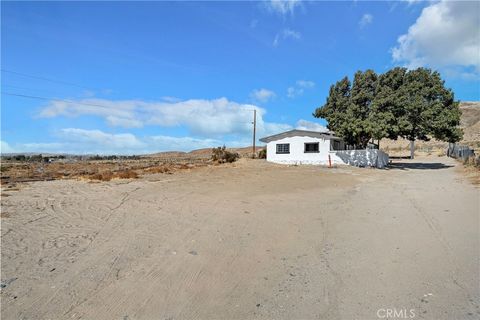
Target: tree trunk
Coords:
[(412, 149)]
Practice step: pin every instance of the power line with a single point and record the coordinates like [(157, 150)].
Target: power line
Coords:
[(28, 89), (46, 79), (54, 99)]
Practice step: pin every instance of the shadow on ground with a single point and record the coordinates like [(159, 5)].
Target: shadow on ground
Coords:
[(418, 166)]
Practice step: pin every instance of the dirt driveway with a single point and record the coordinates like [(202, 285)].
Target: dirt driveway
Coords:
[(247, 241)]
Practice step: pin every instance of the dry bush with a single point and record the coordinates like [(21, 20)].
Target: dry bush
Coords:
[(222, 155), (472, 161), (128, 174), (108, 175), (182, 166), (160, 169), (262, 154), (104, 176)]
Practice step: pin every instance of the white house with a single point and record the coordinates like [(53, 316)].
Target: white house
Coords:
[(321, 148), (303, 147)]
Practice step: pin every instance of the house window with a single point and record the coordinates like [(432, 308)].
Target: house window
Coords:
[(283, 148), (335, 145), (311, 147)]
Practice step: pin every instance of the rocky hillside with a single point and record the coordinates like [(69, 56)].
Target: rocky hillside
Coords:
[(470, 121)]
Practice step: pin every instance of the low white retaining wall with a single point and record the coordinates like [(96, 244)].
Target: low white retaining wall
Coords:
[(364, 158)]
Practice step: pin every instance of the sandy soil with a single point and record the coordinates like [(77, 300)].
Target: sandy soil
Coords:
[(246, 241)]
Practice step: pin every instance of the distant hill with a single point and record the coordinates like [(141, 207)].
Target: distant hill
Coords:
[(470, 121), (205, 152), (244, 151)]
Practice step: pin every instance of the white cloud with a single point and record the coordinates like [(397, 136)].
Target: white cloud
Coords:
[(171, 99), (410, 2), (366, 19), (207, 118), (5, 147), (81, 141), (100, 138), (262, 95), (310, 126), (283, 7), (293, 92), (286, 34), (182, 143), (447, 34), (299, 88), (305, 84), (289, 33), (218, 119), (276, 40)]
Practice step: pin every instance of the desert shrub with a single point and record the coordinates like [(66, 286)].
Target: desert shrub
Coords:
[(472, 161), (36, 158), (20, 157), (104, 176), (128, 174), (262, 154), (222, 155), (108, 175), (159, 169)]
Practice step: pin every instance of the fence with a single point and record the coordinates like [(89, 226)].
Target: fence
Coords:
[(459, 151), (364, 158)]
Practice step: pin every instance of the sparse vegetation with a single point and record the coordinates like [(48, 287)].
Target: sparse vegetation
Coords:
[(108, 175), (110, 167), (159, 169), (222, 155), (472, 161), (262, 154), (25, 168)]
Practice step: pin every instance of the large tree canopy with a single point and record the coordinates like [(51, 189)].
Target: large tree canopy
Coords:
[(412, 104)]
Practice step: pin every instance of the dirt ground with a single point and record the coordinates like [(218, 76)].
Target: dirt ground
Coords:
[(250, 240)]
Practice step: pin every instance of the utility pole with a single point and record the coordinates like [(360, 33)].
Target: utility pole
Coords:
[(254, 129)]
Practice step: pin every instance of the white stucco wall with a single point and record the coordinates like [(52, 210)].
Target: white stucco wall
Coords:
[(297, 154), (364, 158), (358, 158)]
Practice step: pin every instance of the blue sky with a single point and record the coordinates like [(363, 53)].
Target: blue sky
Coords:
[(132, 78)]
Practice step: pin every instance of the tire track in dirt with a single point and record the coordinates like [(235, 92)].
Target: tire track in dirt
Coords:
[(436, 229), (77, 280)]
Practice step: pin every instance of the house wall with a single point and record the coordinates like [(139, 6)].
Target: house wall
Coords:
[(359, 158), (297, 154)]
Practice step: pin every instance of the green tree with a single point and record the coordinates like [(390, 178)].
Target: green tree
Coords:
[(335, 110), (347, 109), (426, 109), (383, 116), (362, 97), (412, 104)]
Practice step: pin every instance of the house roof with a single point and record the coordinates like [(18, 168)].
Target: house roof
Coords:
[(301, 133)]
